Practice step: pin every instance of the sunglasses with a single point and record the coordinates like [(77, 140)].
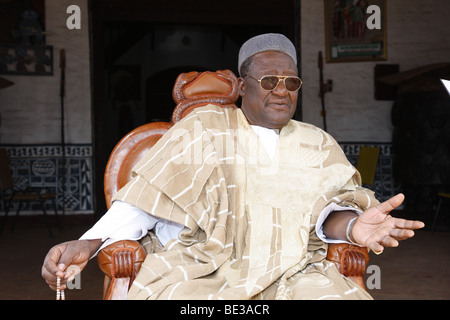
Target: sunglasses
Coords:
[(270, 83)]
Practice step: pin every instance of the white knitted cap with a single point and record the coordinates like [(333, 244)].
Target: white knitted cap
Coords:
[(266, 42)]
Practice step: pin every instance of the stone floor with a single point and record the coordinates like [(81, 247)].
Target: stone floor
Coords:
[(417, 269)]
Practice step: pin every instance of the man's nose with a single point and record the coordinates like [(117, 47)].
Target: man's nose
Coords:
[(281, 90)]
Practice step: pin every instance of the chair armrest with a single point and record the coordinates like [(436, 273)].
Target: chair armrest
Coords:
[(350, 260), (120, 262)]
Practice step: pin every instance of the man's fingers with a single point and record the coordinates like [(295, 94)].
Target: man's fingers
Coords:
[(389, 242), (376, 247), (409, 224), (401, 234), (50, 279), (385, 242), (55, 264), (392, 203), (65, 260), (387, 231), (70, 259), (71, 272), (51, 261)]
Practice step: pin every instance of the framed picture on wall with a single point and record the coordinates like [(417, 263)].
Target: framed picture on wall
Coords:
[(355, 30)]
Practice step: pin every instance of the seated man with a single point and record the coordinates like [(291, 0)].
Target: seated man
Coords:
[(242, 202)]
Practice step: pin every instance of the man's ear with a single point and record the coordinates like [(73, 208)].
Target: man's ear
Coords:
[(241, 86)]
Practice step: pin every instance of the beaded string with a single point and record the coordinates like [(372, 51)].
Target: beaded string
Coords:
[(59, 293)]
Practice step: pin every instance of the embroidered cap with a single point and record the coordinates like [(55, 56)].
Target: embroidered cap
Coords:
[(266, 42)]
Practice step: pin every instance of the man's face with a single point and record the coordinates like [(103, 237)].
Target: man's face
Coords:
[(270, 109)]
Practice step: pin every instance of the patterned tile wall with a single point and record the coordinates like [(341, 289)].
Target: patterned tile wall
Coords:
[(42, 166)]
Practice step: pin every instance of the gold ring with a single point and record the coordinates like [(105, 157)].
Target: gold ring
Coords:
[(377, 252)]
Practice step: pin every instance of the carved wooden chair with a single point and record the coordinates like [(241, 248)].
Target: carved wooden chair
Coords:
[(121, 261)]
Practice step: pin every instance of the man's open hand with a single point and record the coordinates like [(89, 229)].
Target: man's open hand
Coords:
[(376, 229)]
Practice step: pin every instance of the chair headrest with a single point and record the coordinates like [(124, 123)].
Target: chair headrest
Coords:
[(195, 89)]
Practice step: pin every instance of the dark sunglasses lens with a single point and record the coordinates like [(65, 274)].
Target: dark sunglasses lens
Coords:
[(269, 83), (293, 84)]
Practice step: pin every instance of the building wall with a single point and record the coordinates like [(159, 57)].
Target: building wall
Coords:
[(418, 34), (30, 111)]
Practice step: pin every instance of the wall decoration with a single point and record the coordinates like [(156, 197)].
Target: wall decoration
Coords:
[(23, 49), (26, 60), (41, 166), (355, 30)]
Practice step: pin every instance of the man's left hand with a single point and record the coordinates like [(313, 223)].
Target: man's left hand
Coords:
[(376, 229)]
